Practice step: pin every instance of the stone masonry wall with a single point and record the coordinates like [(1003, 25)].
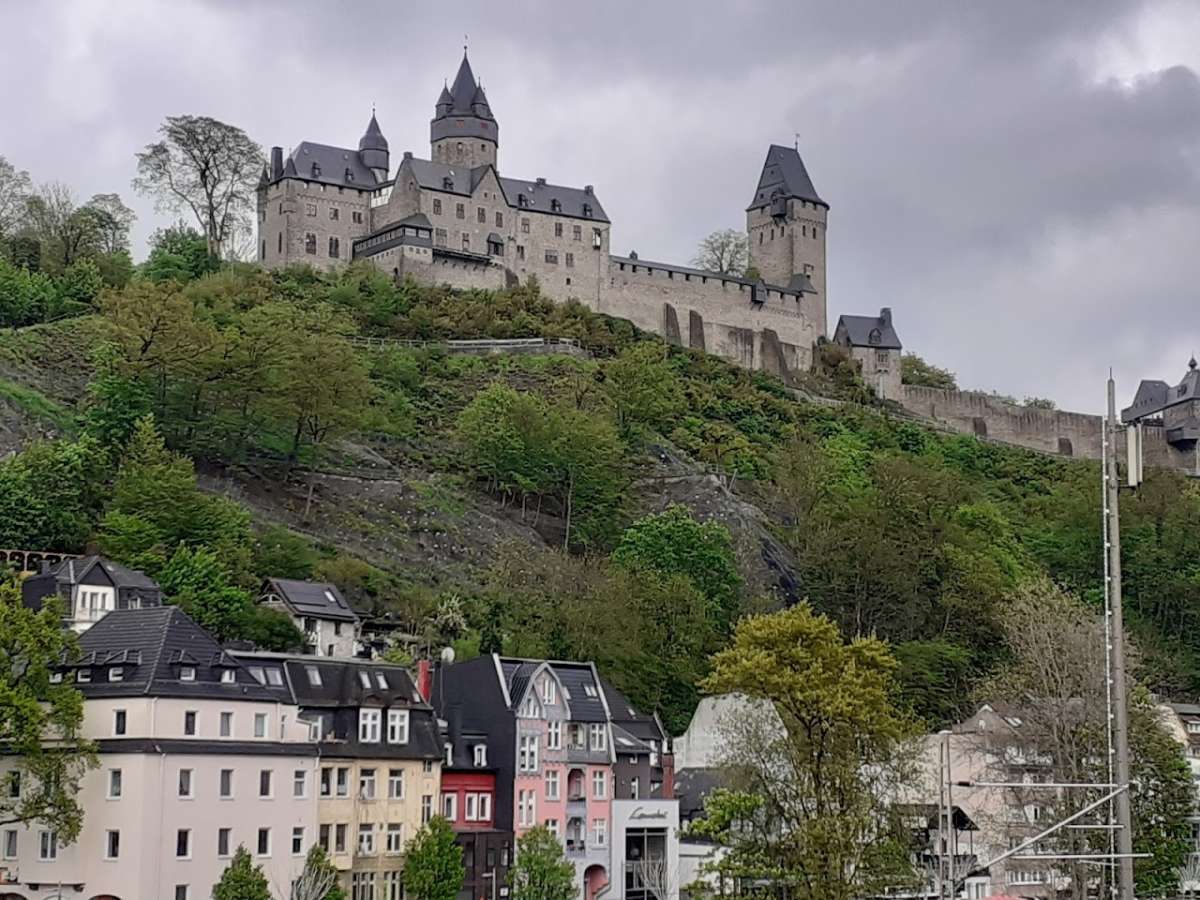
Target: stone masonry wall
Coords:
[(295, 208), (795, 245)]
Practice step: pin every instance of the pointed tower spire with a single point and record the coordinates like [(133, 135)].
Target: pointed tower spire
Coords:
[(464, 131), (373, 149)]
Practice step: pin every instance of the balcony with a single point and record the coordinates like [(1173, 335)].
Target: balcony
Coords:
[(576, 846)]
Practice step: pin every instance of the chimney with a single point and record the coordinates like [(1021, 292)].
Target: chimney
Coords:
[(885, 315), (668, 770), (633, 254), (276, 162), (541, 182), (408, 154), (587, 189), (425, 679)]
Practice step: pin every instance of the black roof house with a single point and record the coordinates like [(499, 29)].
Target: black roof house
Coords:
[(876, 332), (133, 587), (311, 599), (1178, 405)]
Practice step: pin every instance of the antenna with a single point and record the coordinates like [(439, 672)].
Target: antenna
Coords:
[(796, 144), (466, 40)]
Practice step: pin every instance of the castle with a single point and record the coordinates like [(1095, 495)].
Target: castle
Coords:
[(455, 219)]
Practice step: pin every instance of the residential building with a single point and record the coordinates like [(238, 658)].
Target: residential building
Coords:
[(196, 758), (872, 342), (320, 611), (89, 588), (643, 768), (379, 763)]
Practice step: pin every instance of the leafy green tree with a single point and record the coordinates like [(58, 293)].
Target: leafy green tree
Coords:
[(115, 402), (914, 370), (42, 719), (242, 880), (644, 389), (79, 284), (15, 188), (280, 553), (433, 868), (50, 494), (541, 871), (198, 581), (822, 711), (178, 254), (1039, 403), (726, 251), (674, 543), (271, 629), (25, 296)]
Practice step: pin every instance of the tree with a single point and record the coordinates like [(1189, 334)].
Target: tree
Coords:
[(178, 254), (1039, 403), (818, 748), (914, 370), (40, 728), (207, 167), (644, 389), (198, 582), (318, 880), (433, 868), (113, 219), (15, 188), (541, 871), (673, 543), (242, 880), (67, 232), (50, 494), (726, 251), (115, 402)]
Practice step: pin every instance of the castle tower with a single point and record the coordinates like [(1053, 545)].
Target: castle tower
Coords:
[(373, 150), (463, 131), (786, 225)]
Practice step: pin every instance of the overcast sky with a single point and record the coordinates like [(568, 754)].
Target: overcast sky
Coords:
[(1016, 179)]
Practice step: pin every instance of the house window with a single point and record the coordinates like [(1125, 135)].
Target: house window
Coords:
[(226, 724), (366, 784), (310, 209), (119, 721), (333, 214), (1193, 727), (450, 807), (549, 694), (599, 785), (362, 885), (187, 673), (471, 808), (366, 838), (339, 838), (264, 783), (439, 237), (299, 783), (112, 845), (228, 676), (223, 841), (481, 216), (528, 757), (83, 676), (558, 229), (323, 837), (485, 807), (556, 206), (298, 840), (599, 737), (47, 846), (554, 736), (551, 784), (185, 783), (310, 243), (10, 843), (314, 675), (189, 722), (575, 736), (526, 809), (225, 788), (14, 785), (260, 725), (437, 206), (460, 211), (524, 226), (600, 830), (114, 784), (552, 257), (116, 673), (552, 826), (395, 837), (634, 788), (183, 843), (397, 726), (368, 726), (577, 232), (480, 755), (343, 781), (326, 781), (181, 892), (499, 219), (426, 808), (395, 784), (335, 248), (495, 248), (263, 844), (570, 260)]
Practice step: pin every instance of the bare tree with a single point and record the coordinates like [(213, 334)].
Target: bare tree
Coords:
[(67, 232), (316, 880), (205, 166), (726, 252), (15, 188), (657, 876), (113, 219)]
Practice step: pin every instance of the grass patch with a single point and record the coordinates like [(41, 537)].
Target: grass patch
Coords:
[(39, 406)]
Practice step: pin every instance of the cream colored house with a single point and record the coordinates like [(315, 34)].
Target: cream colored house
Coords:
[(196, 757)]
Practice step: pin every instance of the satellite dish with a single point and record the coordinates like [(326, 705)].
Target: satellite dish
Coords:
[(448, 655)]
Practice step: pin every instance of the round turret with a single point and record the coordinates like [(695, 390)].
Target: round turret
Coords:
[(373, 149)]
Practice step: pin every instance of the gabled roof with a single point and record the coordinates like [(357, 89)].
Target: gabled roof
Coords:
[(73, 571), (332, 164), (340, 683), (1155, 396), (643, 726), (784, 175), (151, 645), (867, 331), (578, 679), (320, 600)]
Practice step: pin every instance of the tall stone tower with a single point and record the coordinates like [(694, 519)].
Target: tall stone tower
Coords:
[(464, 131), (786, 225)]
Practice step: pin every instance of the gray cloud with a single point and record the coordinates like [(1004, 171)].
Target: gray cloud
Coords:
[(1029, 218)]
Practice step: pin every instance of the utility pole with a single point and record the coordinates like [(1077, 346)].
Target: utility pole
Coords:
[(1120, 712)]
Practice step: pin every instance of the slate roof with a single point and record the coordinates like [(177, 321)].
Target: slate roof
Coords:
[(579, 679), (692, 786), (72, 571), (799, 284), (151, 645), (784, 174), (466, 94), (373, 138), (640, 725), (1155, 396), (868, 331), (341, 683), (320, 600), (333, 163)]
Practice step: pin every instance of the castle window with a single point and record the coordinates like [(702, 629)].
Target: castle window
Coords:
[(437, 206), (310, 243), (520, 251), (522, 201), (772, 234), (568, 281), (316, 170), (558, 229), (357, 217), (495, 248), (587, 210), (334, 248), (448, 183), (552, 257), (466, 241), (281, 208), (481, 216), (570, 260), (333, 213), (524, 226), (804, 231), (814, 234), (263, 254), (483, 148), (499, 219), (577, 232), (459, 148), (555, 206), (597, 238), (310, 209), (760, 237), (280, 250), (439, 237), (460, 211)]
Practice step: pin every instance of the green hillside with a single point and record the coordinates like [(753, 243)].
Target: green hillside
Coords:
[(547, 504)]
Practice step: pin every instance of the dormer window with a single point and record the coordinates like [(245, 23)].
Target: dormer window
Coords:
[(364, 678), (587, 210), (83, 676), (555, 206), (316, 170), (349, 174), (381, 681), (522, 201), (448, 184), (589, 690), (187, 673), (480, 755), (549, 694), (228, 676), (875, 336), (116, 673)]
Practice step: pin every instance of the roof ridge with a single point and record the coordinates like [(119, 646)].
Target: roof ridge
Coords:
[(162, 643)]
